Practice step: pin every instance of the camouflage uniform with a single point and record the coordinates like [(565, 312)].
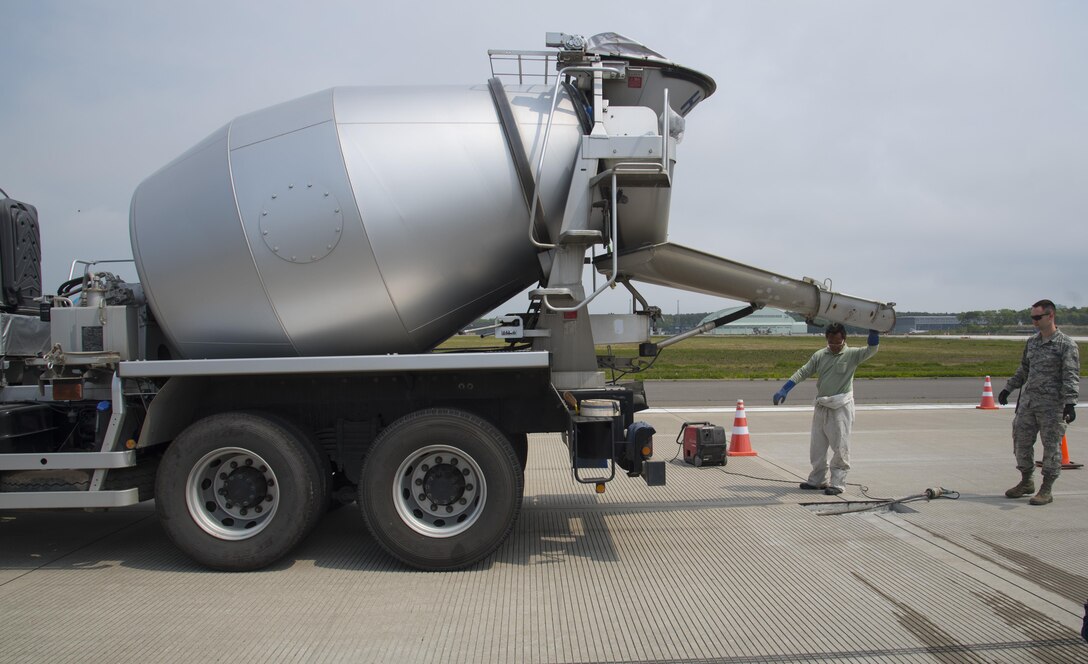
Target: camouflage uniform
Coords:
[(1049, 374)]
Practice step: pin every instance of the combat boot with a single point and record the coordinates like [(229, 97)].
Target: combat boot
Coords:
[(1026, 487), (1044, 497)]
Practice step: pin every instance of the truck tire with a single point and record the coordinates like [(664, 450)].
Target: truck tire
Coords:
[(237, 491), (141, 476), (520, 443), (317, 455), (440, 489)]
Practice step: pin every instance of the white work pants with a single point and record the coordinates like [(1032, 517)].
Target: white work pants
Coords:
[(831, 429)]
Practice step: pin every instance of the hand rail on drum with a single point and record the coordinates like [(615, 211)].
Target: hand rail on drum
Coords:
[(89, 264)]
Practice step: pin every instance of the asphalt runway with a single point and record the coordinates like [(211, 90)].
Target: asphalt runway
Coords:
[(725, 393)]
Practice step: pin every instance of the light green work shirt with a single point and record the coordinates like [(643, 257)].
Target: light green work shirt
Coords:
[(835, 371)]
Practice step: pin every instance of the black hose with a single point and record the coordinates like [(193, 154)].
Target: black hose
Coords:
[(64, 289), (635, 369)]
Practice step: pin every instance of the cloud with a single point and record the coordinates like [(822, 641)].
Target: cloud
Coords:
[(929, 153)]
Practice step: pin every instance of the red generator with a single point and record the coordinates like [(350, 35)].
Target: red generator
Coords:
[(704, 444)]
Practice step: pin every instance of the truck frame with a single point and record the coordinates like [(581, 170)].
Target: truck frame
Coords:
[(103, 404)]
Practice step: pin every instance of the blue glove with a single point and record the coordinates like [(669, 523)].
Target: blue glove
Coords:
[(874, 338), (780, 395)]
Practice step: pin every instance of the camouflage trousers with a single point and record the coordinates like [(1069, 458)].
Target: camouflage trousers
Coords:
[(1047, 424)]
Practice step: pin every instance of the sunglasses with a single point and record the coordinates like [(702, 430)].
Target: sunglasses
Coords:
[(1039, 317)]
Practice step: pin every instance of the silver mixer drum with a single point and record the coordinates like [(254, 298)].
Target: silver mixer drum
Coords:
[(351, 221)]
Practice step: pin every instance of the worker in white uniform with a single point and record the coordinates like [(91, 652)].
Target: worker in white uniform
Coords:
[(834, 415)]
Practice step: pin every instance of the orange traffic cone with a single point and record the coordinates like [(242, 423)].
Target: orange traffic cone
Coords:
[(739, 443), (1066, 463), (987, 397)]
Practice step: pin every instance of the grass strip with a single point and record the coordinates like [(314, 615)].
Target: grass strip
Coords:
[(766, 357)]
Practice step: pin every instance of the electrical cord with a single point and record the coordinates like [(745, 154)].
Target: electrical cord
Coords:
[(764, 479), (679, 442), (680, 445), (932, 493)]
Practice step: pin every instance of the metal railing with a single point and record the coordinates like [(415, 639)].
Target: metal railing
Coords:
[(87, 265), (523, 66)]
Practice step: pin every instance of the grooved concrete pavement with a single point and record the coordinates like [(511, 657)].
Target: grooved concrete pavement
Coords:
[(732, 564)]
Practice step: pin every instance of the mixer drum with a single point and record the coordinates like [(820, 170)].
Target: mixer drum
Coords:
[(351, 221)]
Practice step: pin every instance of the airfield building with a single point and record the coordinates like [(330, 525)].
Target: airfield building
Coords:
[(765, 321)]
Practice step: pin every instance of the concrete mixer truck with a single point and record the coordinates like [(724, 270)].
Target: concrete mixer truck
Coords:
[(297, 270)]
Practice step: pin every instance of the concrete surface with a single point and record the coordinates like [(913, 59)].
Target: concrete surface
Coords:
[(726, 564)]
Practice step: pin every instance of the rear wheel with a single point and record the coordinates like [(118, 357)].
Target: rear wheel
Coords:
[(440, 489), (237, 491), (317, 455), (520, 443)]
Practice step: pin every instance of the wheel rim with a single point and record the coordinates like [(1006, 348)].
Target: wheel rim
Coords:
[(232, 493), (439, 491)]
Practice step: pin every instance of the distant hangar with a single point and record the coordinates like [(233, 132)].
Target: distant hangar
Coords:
[(765, 321)]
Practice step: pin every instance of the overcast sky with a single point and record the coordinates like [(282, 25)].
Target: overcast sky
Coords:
[(930, 153)]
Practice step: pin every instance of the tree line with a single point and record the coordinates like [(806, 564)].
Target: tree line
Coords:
[(1013, 317)]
